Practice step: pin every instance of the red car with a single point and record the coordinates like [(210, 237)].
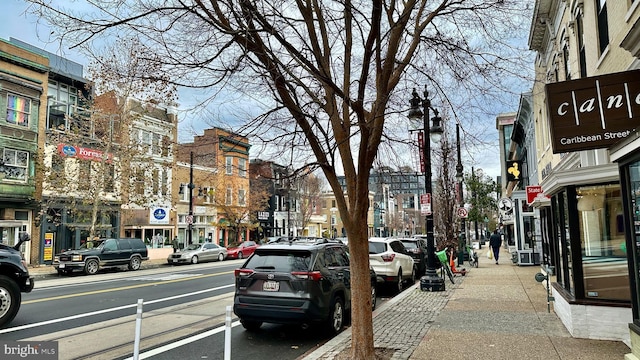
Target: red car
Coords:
[(241, 250)]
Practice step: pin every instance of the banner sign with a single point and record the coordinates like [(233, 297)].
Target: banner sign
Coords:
[(593, 112), (82, 153)]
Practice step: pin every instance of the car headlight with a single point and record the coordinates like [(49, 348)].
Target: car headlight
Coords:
[(76, 258), (56, 259), (183, 255)]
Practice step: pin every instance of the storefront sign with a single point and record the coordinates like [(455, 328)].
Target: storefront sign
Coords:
[(514, 170), (263, 215), (82, 153), (593, 112), (159, 216), (534, 192)]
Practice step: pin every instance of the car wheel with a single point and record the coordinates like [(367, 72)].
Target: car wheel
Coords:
[(91, 267), (240, 256), (134, 263), (10, 298), (194, 259), (250, 325), (397, 286), (220, 257), (374, 296), (413, 276), (336, 316)]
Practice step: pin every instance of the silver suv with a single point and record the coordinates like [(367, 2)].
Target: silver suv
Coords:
[(297, 282)]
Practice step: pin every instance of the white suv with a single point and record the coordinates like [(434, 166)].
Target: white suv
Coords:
[(391, 261)]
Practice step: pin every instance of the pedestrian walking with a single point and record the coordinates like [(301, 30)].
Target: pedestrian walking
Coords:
[(495, 242), (175, 244)]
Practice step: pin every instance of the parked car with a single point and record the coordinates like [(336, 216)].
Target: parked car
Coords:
[(298, 282), (14, 280), (102, 253), (241, 250), (195, 253), (417, 249), (391, 262)]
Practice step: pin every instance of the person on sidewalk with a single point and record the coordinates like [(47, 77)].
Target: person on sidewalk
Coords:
[(495, 241), (175, 244)]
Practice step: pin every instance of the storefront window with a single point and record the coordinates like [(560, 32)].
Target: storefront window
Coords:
[(604, 254)]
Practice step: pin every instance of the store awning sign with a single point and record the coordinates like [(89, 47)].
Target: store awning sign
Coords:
[(594, 112)]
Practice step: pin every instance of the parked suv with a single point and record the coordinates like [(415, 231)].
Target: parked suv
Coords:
[(391, 261), (297, 282), (96, 254), (417, 249), (14, 279)]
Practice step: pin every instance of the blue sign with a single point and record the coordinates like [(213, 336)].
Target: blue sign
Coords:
[(159, 214), (69, 150)]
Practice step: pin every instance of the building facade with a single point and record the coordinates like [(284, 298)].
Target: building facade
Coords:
[(583, 224), (214, 204), (23, 99)]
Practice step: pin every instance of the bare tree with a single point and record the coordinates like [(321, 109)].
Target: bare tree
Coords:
[(309, 189), (329, 79)]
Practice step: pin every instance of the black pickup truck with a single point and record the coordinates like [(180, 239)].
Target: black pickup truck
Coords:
[(14, 280), (102, 253)]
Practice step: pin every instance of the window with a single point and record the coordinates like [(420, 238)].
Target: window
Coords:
[(565, 61), (18, 110), (156, 148), (229, 196), (603, 245), (155, 181), (109, 177), (184, 192), (241, 197), (16, 163), (277, 202), (229, 165), (581, 49), (84, 175), (57, 166), (242, 167), (603, 26)]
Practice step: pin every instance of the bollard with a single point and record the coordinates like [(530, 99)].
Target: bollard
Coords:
[(227, 334), (136, 343)]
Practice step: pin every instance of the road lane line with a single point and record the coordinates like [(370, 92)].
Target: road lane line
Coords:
[(118, 308), (185, 341), (120, 288)]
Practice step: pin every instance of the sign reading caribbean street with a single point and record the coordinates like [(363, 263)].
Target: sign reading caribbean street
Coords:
[(594, 112)]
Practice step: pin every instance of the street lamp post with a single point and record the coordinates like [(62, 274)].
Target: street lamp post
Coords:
[(431, 280), (460, 177), (191, 186)]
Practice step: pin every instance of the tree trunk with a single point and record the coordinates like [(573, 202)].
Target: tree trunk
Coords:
[(361, 329)]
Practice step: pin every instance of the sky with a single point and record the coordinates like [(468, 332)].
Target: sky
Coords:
[(14, 22)]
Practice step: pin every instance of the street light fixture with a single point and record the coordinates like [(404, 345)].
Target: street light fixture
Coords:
[(460, 177), (431, 280), (191, 186)]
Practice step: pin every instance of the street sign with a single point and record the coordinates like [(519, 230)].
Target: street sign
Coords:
[(462, 212), (425, 204), (189, 219)]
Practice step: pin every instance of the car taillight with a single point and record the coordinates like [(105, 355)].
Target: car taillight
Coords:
[(388, 257), (243, 272), (307, 275)]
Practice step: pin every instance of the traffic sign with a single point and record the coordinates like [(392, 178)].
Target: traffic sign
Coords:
[(189, 219), (462, 212)]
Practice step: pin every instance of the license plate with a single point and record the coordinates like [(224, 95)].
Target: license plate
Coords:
[(175, 260), (61, 266), (271, 286)]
